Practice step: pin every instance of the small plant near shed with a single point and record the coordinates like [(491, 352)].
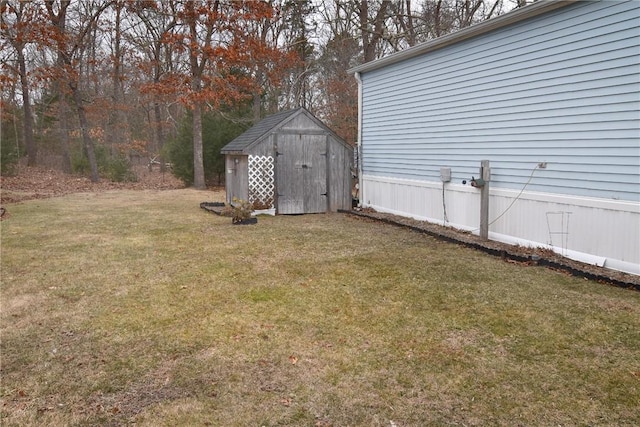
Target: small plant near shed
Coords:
[(241, 211)]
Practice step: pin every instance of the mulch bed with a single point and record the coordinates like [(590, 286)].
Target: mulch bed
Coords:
[(213, 207)]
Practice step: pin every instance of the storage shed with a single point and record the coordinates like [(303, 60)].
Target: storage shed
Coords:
[(290, 161)]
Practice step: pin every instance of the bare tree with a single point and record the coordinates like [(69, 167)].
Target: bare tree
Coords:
[(372, 27), (154, 60), (117, 123), (70, 45), (17, 20), (277, 41), (338, 87)]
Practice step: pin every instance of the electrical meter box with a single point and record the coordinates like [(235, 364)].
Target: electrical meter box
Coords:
[(445, 174)]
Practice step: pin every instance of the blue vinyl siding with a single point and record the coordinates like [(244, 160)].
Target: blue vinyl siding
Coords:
[(561, 88)]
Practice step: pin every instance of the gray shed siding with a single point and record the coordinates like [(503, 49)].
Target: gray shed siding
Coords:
[(312, 166), (561, 88), (337, 159), (339, 172), (237, 180)]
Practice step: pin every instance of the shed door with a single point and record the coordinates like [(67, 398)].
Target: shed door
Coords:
[(302, 174)]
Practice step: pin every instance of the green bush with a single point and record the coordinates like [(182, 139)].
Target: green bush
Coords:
[(179, 152), (10, 150), (114, 167), (118, 169), (217, 131), (9, 156)]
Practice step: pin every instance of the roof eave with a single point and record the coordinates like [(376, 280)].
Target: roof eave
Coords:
[(527, 12)]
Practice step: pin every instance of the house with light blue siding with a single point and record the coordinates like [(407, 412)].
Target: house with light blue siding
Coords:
[(549, 94)]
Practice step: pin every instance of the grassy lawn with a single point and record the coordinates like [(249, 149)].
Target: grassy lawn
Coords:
[(138, 307)]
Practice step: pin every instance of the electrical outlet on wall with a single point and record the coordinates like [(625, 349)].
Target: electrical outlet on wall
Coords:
[(445, 174)]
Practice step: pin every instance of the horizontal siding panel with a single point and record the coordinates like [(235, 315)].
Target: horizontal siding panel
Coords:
[(467, 61), (523, 137), (585, 101), (567, 158), (547, 62), (586, 165), (507, 124), (589, 85), (513, 42), (445, 146), (616, 76), (513, 168), (562, 88), (542, 176), (567, 161)]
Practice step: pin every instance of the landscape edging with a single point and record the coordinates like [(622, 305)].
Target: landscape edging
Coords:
[(505, 254)]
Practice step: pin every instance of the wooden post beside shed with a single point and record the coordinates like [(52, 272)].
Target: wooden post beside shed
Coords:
[(291, 161)]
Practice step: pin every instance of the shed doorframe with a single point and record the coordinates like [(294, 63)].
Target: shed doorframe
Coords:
[(301, 173)]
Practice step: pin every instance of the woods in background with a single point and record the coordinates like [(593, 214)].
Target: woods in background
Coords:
[(87, 86)]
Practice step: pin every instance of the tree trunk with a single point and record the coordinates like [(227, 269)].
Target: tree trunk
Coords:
[(257, 104), (198, 158), (117, 118), (63, 123), (29, 141), (86, 138), (197, 69), (159, 134), (371, 35)]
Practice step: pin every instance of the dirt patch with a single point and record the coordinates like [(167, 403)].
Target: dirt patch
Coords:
[(511, 253)]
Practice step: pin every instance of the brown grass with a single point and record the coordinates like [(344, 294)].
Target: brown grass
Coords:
[(138, 307)]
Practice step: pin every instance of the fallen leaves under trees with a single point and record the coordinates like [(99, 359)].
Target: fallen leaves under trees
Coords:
[(38, 183)]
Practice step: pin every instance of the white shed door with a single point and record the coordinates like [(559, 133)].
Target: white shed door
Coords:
[(302, 174)]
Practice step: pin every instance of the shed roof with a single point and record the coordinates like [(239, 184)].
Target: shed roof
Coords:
[(258, 130), (510, 18)]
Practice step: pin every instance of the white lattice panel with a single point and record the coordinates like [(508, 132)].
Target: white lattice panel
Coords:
[(261, 180)]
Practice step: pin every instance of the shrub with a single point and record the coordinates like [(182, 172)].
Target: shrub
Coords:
[(241, 210), (9, 157), (217, 131), (10, 150), (118, 169), (113, 167)]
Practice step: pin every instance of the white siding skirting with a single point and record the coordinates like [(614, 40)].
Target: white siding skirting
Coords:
[(596, 231)]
